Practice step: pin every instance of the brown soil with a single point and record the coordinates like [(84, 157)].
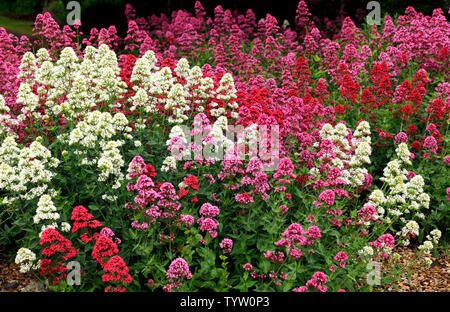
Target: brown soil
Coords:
[(11, 280), (415, 277)]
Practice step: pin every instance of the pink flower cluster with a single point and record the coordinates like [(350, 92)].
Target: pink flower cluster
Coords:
[(295, 237), (226, 245), (316, 281), (207, 221)]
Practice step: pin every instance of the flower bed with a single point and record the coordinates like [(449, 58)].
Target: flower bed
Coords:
[(220, 153)]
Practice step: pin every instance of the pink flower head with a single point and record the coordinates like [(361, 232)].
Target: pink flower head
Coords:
[(300, 289), (295, 253), (334, 173), (320, 277), (447, 160), (387, 240), (293, 229), (226, 244), (314, 232), (430, 143), (248, 267), (402, 137), (106, 232), (187, 219), (317, 280), (209, 210), (327, 196), (77, 24), (283, 209), (367, 213), (208, 224), (178, 269), (340, 256), (431, 128)]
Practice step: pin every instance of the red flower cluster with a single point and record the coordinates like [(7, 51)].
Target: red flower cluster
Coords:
[(192, 182), (116, 271), (59, 248), (83, 219), (104, 247), (57, 244)]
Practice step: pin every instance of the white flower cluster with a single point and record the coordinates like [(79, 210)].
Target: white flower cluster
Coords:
[(227, 93), (218, 139), (351, 154), (169, 164), (427, 262), (46, 210), (25, 95), (158, 87), (403, 153), (96, 133), (26, 258), (6, 121), (377, 199), (47, 213), (111, 162), (71, 85), (428, 245), (98, 125), (25, 172), (404, 197), (410, 228), (434, 236), (367, 251), (111, 198)]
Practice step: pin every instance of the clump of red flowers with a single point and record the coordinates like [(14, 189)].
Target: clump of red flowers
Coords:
[(104, 247), (84, 220), (116, 271), (192, 182), (58, 250)]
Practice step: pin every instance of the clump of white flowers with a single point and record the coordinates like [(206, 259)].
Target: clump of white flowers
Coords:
[(169, 164), (71, 85), (190, 93), (111, 162), (6, 120), (25, 172), (96, 134), (426, 247), (26, 258), (377, 200), (350, 155), (65, 227), (411, 228), (96, 126), (47, 214), (405, 196), (430, 243), (434, 236), (46, 210), (366, 251)]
